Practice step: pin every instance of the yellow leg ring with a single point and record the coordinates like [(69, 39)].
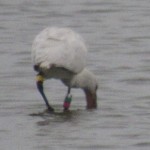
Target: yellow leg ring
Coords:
[(39, 78)]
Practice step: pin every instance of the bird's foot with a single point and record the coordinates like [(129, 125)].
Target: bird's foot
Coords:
[(50, 110), (66, 110)]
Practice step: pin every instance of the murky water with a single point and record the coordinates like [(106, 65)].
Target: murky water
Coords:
[(117, 34)]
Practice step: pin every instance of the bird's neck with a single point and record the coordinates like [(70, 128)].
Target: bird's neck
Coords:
[(84, 80), (88, 82)]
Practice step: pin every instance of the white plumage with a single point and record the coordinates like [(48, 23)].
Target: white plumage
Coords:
[(61, 47), (61, 53)]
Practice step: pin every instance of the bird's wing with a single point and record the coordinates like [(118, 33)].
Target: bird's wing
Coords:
[(59, 47)]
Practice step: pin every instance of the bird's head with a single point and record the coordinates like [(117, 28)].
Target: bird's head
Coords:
[(91, 97)]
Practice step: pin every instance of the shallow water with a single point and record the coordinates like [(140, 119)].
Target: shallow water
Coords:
[(117, 36)]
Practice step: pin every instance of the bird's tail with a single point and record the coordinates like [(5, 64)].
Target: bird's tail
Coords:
[(41, 66)]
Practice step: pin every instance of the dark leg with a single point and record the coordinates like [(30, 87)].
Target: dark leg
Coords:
[(69, 90), (39, 83)]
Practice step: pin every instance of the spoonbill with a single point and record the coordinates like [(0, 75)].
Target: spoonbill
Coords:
[(60, 53)]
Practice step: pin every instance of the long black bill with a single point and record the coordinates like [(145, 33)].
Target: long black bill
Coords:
[(39, 84)]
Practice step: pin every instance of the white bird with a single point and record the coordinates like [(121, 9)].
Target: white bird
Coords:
[(60, 53)]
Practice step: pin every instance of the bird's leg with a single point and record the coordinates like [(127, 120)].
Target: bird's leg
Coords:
[(39, 83), (67, 100)]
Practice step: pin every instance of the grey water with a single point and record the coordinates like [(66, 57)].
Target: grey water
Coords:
[(117, 34)]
